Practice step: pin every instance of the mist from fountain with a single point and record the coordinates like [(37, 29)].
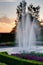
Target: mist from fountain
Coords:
[(26, 37), (32, 36), (27, 31)]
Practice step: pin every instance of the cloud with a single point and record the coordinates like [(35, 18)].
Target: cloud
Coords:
[(5, 19), (7, 0), (10, 0), (6, 24), (4, 28)]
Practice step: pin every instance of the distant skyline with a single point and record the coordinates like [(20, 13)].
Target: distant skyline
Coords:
[(8, 7)]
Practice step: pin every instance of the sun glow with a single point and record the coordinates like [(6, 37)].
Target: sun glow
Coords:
[(7, 27), (41, 22)]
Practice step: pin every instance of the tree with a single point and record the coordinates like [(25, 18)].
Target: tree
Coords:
[(34, 11), (20, 9)]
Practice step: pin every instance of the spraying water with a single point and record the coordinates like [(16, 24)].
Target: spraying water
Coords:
[(24, 29), (28, 32), (26, 35)]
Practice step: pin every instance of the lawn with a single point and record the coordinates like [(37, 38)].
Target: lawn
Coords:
[(3, 64), (13, 60)]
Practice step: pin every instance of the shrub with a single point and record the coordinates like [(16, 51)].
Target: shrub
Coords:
[(12, 60), (3, 64), (4, 53)]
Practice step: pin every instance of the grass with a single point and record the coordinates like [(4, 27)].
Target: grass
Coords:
[(3, 64), (8, 44), (19, 61)]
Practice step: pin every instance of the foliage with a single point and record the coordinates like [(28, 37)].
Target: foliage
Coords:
[(34, 11), (37, 54), (12, 60), (11, 43), (20, 9), (8, 43), (3, 64), (30, 56), (41, 38), (4, 53), (7, 37)]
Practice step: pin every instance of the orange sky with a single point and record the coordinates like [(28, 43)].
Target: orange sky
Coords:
[(9, 9), (6, 24), (6, 27)]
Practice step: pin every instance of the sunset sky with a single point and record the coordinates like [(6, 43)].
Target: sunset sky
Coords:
[(8, 8)]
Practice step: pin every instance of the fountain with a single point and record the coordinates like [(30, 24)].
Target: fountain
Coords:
[(28, 30), (25, 35)]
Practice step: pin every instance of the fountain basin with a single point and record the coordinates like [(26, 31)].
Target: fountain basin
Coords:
[(15, 50)]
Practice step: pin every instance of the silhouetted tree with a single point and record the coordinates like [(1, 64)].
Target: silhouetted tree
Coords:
[(34, 10), (19, 9)]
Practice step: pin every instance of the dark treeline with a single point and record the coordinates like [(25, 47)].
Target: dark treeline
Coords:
[(7, 37)]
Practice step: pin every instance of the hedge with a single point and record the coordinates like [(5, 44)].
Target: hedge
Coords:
[(3, 64), (12, 60), (4, 53), (36, 54)]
